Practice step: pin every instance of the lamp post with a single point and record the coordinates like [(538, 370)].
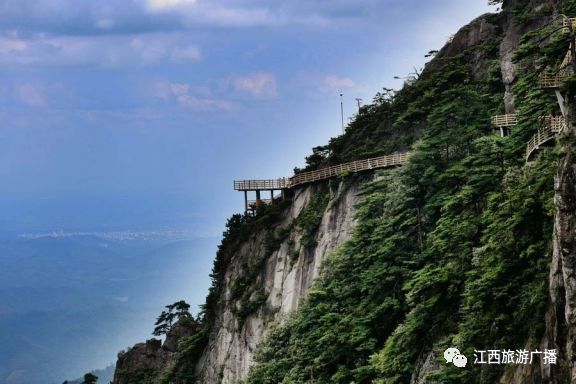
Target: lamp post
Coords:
[(342, 110)]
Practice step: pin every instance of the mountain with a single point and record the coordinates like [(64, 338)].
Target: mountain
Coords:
[(374, 274)]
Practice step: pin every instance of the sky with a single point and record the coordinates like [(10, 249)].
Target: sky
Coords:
[(139, 114), (123, 118)]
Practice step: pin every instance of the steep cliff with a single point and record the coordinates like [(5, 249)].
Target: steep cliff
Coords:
[(144, 362), (285, 272), (369, 277)]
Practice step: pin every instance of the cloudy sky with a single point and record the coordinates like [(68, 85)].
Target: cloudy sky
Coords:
[(121, 114)]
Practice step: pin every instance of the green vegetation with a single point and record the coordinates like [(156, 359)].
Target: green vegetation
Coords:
[(452, 250), (179, 311), (90, 378), (309, 219), (141, 375), (238, 229), (190, 348)]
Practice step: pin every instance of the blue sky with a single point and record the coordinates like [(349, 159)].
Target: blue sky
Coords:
[(140, 113)]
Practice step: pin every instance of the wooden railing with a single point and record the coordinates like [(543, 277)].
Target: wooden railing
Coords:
[(321, 174), (505, 120), (555, 80), (355, 166), (551, 80), (554, 125), (261, 185)]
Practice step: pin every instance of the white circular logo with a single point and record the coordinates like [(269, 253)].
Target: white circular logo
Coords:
[(453, 355), (450, 353)]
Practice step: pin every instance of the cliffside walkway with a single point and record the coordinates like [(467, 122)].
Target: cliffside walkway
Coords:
[(553, 125), (302, 178), (504, 122), (553, 80), (544, 136)]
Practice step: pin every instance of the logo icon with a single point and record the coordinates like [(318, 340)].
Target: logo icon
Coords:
[(452, 355)]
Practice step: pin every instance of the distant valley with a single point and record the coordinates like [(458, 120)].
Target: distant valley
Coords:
[(69, 303)]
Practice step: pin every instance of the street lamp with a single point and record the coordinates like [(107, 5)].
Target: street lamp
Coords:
[(342, 110)]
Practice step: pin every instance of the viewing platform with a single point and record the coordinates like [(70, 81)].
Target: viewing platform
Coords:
[(509, 120), (504, 122), (261, 185), (302, 178), (544, 137)]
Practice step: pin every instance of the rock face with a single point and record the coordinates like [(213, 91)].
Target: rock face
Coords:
[(478, 31), (512, 33), (144, 362), (281, 282), (561, 317), (288, 274)]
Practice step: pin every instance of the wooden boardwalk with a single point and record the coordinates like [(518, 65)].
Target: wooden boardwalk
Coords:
[(302, 178), (553, 126), (509, 120), (353, 167), (262, 185), (553, 80), (321, 174)]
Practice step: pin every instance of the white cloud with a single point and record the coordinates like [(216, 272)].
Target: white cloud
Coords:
[(182, 93), (30, 94), (115, 51), (259, 84), (186, 54), (163, 5)]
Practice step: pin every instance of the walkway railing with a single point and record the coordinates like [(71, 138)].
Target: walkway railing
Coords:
[(552, 80), (355, 166), (554, 125), (261, 185), (505, 120), (321, 174)]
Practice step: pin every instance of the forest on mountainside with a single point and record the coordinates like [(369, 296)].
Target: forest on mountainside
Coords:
[(451, 250)]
